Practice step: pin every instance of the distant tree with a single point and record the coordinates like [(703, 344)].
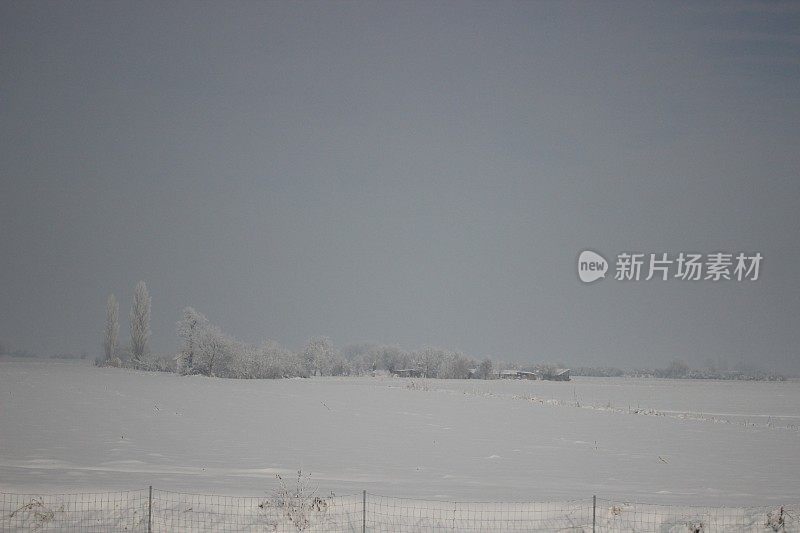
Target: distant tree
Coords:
[(392, 358), (362, 357), (427, 360), (190, 328), (463, 366), (677, 369), (271, 361), (485, 369), (453, 365), (111, 337), (320, 356), (3, 348), (140, 324), (367, 357), (216, 353)]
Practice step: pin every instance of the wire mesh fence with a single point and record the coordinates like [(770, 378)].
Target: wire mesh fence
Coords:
[(176, 511), (153, 510), (400, 515), (90, 512), (612, 516)]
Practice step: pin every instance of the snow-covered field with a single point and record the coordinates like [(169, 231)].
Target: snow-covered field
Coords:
[(71, 427)]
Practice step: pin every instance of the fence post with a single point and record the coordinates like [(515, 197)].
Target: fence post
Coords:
[(364, 512), (594, 511), (150, 510)]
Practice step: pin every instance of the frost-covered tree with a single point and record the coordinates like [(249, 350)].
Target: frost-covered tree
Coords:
[(368, 357), (111, 336), (280, 362), (428, 361), (190, 328), (362, 357), (207, 350), (454, 365), (485, 369), (140, 324), (211, 348), (216, 353), (270, 360), (320, 356), (443, 364)]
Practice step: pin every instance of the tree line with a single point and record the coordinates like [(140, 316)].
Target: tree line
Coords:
[(207, 350)]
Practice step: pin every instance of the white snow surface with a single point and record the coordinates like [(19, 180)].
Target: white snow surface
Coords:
[(72, 427)]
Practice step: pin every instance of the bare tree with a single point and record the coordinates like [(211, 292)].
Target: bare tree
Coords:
[(111, 339), (140, 323)]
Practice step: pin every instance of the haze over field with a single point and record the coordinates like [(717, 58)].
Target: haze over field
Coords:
[(409, 173)]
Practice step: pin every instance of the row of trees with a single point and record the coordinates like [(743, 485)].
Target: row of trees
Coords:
[(206, 349), (430, 362), (139, 347)]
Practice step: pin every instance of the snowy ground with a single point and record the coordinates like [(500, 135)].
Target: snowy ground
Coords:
[(71, 427)]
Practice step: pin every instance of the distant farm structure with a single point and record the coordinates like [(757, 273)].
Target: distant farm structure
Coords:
[(556, 374), (561, 374), (407, 373)]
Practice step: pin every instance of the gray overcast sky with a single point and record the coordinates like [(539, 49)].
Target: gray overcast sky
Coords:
[(410, 173)]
